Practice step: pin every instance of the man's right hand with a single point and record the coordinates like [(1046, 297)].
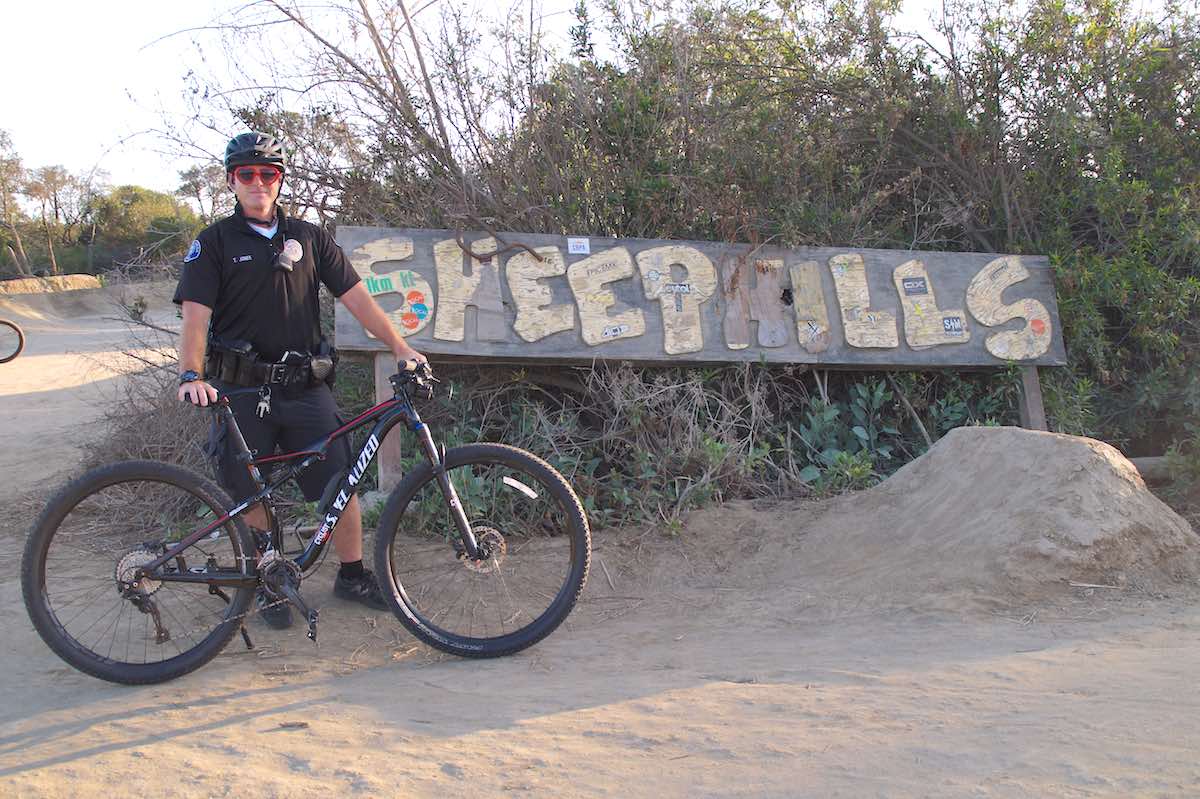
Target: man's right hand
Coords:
[(197, 392)]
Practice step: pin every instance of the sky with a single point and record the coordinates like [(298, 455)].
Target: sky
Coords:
[(86, 83), (83, 83)]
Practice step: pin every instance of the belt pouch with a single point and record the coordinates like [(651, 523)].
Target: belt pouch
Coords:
[(243, 371)]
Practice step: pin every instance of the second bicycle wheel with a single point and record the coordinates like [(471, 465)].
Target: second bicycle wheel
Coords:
[(12, 340), (529, 523), (80, 573)]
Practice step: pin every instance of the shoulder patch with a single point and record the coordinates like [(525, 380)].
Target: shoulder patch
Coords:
[(193, 252)]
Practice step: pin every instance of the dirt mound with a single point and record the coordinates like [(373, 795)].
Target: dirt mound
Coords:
[(54, 307), (42, 285), (988, 516)]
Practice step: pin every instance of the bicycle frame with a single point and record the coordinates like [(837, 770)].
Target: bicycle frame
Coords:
[(385, 415)]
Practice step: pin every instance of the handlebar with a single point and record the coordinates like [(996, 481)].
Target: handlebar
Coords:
[(413, 371)]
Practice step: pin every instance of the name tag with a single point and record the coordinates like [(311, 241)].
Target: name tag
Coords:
[(243, 258)]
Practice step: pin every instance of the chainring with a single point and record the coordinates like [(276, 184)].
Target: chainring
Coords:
[(274, 570)]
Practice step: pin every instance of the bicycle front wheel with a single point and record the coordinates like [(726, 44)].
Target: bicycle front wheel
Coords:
[(526, 520), (12, 340), (80, 578)]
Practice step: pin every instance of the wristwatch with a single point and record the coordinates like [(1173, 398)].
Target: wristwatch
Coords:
[(189, 376)]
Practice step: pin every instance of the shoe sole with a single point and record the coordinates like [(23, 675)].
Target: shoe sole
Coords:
[(359, 601)]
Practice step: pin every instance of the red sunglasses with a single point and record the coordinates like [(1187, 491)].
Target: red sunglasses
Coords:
[(267, 174)]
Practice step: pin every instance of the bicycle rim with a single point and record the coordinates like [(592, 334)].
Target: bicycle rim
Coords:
[(532, 528), (80, 574), (12, 340)]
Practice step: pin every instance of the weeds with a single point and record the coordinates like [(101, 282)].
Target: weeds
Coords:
[(645, 445)]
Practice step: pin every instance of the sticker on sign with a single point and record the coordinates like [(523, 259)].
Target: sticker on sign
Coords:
[(952, 325), (579, 246)]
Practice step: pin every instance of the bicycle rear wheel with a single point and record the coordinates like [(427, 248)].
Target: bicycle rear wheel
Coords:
[(530, 523), (12, 340), (78, 573)]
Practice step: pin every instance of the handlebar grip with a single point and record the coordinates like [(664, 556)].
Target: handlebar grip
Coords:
[(419, 368)]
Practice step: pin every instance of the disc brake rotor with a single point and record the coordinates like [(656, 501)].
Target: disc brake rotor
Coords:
[(491, 541)]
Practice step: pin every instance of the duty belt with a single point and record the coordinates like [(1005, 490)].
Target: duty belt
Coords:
[(249, 371)]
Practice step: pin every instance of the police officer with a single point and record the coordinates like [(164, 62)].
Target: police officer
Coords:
[(249, 291)]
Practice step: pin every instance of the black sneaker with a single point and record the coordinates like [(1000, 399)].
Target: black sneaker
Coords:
[(276, 613), (364, 589)]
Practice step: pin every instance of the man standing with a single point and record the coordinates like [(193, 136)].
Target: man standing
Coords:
[(250, 291)]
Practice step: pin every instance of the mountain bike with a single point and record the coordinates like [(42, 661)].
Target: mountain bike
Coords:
[(12, 340), (142, 571)]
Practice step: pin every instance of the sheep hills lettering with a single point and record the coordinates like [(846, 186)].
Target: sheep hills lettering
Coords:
[(525, 296)]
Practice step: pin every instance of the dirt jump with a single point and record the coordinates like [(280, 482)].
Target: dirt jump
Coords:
[(1012, 614)]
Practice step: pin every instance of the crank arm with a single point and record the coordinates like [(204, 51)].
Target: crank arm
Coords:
[(293, 596)]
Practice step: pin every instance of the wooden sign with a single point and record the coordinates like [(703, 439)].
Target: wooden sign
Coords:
[(525, 296)]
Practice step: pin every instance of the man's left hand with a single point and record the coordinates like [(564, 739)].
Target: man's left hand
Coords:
[(407, 353)]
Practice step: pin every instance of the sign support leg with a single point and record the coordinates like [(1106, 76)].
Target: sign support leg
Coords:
[(389, 448), (1033, 411)]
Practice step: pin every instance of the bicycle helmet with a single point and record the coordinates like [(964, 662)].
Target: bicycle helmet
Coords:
[(250, 148)]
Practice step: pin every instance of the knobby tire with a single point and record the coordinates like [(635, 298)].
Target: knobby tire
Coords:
[(42, 536), (5, 357), (526, 475)]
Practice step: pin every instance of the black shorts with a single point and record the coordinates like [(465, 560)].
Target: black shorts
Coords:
[(295, 422)]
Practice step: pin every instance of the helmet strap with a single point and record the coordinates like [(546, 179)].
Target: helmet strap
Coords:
[(263, 222)]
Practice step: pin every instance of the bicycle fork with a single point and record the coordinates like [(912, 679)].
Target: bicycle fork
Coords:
[(456, 509)]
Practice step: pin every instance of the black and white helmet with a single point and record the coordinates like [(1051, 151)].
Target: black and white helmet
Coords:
[(250, 148)]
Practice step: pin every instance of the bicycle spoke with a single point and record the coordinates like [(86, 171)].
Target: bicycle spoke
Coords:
[(120, 607), (85, 594)]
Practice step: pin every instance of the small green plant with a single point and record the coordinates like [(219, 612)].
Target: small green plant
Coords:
[(868, 407), (1183, 466), (848, 472), (371, 514)]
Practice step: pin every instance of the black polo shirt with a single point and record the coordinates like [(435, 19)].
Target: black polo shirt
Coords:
[(231, 269)]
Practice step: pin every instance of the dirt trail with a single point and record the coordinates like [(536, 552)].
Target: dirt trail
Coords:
[(54, 390), (919, 639)]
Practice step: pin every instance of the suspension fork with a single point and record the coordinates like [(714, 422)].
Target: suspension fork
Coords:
[(439, 469)]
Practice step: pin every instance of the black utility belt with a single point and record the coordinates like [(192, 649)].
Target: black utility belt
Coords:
[(249, 370)]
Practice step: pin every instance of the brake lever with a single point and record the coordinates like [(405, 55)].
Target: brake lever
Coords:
[(423, 373)]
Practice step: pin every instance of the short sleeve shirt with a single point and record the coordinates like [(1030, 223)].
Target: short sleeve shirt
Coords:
[(230, 268)]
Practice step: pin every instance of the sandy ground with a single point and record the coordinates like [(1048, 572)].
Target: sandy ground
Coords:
[(52, 392), (795, 649)]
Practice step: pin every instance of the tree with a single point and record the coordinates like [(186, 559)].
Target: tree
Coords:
[(207, 186), (12, 177), (133, 222), (49, 185)]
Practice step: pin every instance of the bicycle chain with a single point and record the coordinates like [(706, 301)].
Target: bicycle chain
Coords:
[(255, 608)]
